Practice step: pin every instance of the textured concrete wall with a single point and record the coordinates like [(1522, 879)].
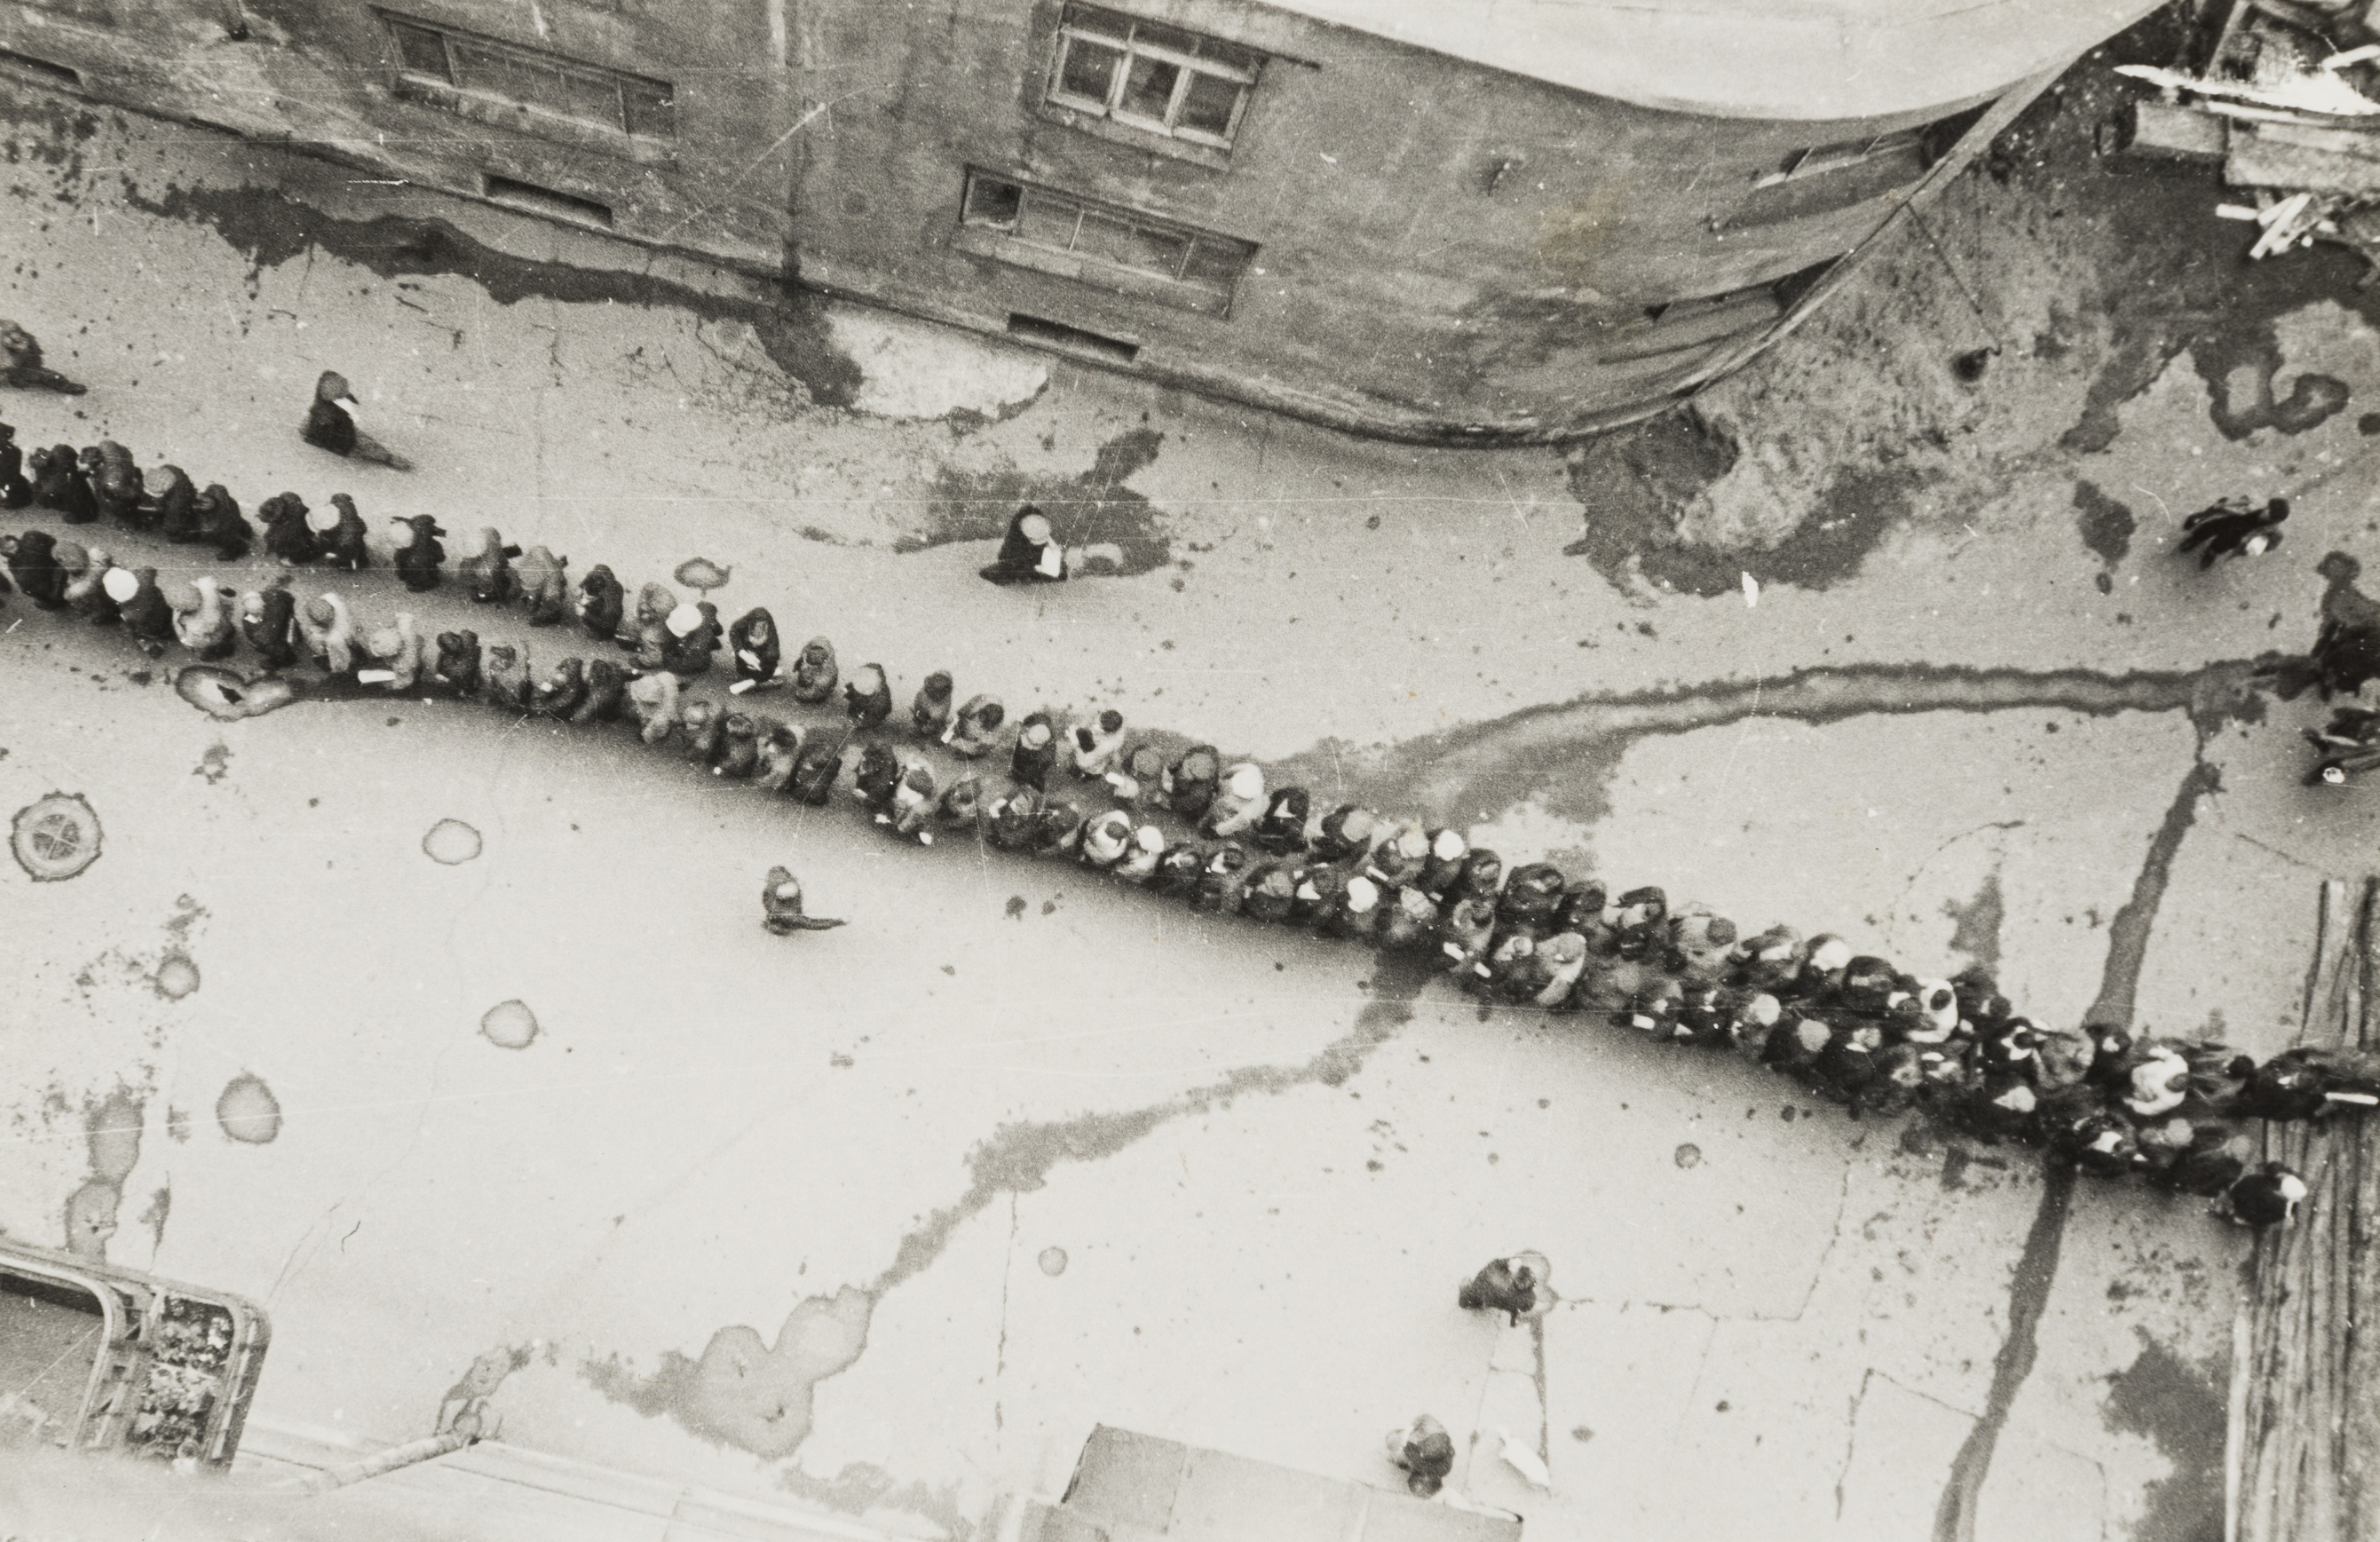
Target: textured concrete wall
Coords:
[(1446, 251)]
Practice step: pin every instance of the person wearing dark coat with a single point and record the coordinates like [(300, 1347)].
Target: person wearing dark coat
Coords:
[(1426, 1452), (875, 778), (603, 601), (1036, 753), (2268, 1197), (173, 502), (148, 615), (339, 535), (116, 481), (1281, 828), (931, 712), (419, 554), (15, 493), (220, 525), (607, 693), (2232, 529), (32, 561), (1193, 780), (59, 484), (458, 662), (287, 534), (1029, 553), (815, 773), (739, 747), (269, 621), (331, 425), (20, 364), (562, 690), (867, 698), (1508, 1285), (691, 635), (757, 649), (781, 904), (969, 736)]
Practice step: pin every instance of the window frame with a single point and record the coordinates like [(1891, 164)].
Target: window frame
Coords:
[(645, 106), (1085, 23), (1181, 286)]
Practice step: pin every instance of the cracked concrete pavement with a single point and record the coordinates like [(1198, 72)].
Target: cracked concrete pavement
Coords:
[(1103, 1161)]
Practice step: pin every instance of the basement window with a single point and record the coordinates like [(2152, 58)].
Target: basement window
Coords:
[(1066, 339), (532, 82), (38, 69), (1160, 79), (1057, 233), (545, 200)]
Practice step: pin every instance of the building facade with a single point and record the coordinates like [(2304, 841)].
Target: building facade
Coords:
[(1445, 222)]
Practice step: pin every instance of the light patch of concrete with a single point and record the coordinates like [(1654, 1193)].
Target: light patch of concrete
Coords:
[(914, 370)]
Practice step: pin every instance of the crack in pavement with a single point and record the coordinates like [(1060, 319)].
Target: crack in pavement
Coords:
[(1017, 1157), (2036, 1267)]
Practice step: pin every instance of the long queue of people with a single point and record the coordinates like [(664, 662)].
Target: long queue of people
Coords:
[(1181, 821)]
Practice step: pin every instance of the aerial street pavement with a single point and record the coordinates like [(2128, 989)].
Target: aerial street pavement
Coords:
[(453, 1037)]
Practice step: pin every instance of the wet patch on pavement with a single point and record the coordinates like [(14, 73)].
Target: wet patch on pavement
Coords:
[(451, 843), (56, 837), (229, 695), (509, 1026), (746, 1392), (1975, 925), (2105, 525), (176, 976), (1093, 506), (2180, 1407), (248, 1111), (1638, 484), (269, 229)]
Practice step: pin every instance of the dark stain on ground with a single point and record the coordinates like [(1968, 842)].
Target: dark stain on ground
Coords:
[(1566, 752), (161, 1205), (2105, 525), (1018, 1158), (1638, 483), (1976, 926), (112, 1132), (2036, 1269), (747, 1392), (2180, 1407), (270, 228), (744, 1391), (2178, 279), (1092, 506)]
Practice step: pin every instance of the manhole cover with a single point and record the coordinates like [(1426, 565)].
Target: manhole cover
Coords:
[(54, 838)]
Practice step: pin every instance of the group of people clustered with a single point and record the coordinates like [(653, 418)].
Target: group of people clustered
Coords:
[(1180, 821)]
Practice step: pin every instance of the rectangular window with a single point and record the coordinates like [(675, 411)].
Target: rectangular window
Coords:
[(531, 79), (1101, 239), (1160, 79)]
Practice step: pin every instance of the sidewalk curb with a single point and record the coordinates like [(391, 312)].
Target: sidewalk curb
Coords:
[(687, 1511)]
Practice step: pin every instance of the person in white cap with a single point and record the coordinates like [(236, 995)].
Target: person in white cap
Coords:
[(1238, 805), (781, 903), (1139, 862), (2269, 1196), (330, 420), (1029, 553), (694, 633)]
